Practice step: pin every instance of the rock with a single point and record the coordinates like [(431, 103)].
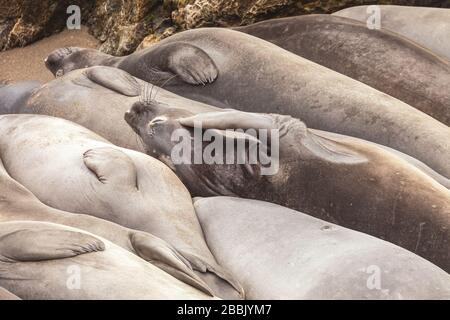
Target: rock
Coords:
[(124, 26)]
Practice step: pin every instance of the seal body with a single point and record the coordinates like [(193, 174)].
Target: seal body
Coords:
[(274, 252), (285, 83), (340, 179), (84, 173), (428, 27), (14, 95), (89, 97), (41, 260), (379, 58), (6, 295), (18, 203)]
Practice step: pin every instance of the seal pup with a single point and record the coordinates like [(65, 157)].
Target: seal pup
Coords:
[(428, 27), (18, 203), (340, 179), (84, 173), (278, 253), (285, 83), (379, 58), (42, 260)]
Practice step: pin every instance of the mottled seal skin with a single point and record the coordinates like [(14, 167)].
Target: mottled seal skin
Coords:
[(279, 81), (14, 95), (84, 173), (379, 58), (429, 27), (278, 253), (37, 260), (18, 203), (336, 178), (6, 295), (96, 98)]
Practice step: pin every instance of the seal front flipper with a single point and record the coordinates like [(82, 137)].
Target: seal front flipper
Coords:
[(114, 79), (190, 63), (37, 244), (104, 161), (203, 266), (165, 257)]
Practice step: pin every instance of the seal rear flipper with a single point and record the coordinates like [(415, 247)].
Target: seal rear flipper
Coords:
[(38, 244), (104, 161), (114, 79), (190, 63), (165, 257), (203, 266)]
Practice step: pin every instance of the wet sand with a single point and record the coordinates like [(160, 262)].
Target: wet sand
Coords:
[(27, 63)]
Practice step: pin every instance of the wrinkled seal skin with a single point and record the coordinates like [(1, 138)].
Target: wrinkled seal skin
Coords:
[(84, 173), (97, 99), (14, 95), (279, 81), (245, 237), (336, 178), (37, 260), (6, 295), (18, 203), (379, 58), (429, 27)]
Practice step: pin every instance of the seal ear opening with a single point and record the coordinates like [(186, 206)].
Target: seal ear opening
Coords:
[(114, 79)]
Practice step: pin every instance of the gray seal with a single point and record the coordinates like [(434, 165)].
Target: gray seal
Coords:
[(381, 59), (84, 173), (279, 81), (337, 178), (278, 253), (428, 27), (42, 260)]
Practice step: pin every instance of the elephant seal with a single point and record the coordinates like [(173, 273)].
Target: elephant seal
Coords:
[(340, 179), (88, 95), (6, 295), (18, 203), (428, 27), (285, 83), (84, 173), (14, 95), (379, 58), (278, 253), (42, 260)]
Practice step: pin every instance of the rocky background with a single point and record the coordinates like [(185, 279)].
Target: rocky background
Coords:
[(123, 26)]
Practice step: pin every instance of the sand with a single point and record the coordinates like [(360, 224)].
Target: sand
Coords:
[(27, 63)]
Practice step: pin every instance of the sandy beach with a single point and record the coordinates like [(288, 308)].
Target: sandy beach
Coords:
[(27, 63)]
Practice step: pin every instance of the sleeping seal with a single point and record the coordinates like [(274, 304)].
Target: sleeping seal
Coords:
[(42, 260), (336, 178), (379, 58), (18, 203), (282, 82), (84, 173), (429, 27), (278, 253)]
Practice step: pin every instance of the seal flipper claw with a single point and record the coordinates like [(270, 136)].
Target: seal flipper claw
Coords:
[(46, 244), (164, 256), (103, 163), (201, 265), (114, 79)]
